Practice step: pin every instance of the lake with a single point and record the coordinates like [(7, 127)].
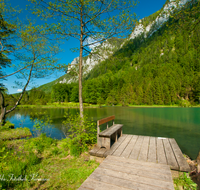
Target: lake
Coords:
[(183, 124)]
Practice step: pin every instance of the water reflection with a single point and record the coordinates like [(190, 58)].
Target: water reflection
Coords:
[(183, 124)]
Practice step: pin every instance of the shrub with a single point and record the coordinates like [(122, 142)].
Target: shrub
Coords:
[(185, 182), (82, 133)]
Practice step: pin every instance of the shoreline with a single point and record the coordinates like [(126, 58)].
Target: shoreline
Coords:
[(97, 106)]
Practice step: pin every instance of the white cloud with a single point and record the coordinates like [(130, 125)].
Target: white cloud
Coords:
[(19, 90)]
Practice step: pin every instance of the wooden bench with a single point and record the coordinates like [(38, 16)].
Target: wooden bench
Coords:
[(105, 137)]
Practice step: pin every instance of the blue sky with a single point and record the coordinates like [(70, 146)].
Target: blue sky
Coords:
[(143, 9)]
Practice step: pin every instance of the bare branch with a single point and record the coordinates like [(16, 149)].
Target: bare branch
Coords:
[(14, 72), (98, 14), (1, 46), (19, 99)]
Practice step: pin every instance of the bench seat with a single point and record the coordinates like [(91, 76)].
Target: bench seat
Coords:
[(111, 130), (110, 134)]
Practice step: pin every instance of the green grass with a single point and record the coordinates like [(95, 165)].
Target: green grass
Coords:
[(60, 105), (159, 106), (9, 134), (76, 105), (42, 163), (184, 182)]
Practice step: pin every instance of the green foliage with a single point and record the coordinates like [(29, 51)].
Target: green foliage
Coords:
[(82, 132), (184, 103), (41, 143), (148, 20), (19, 159), (7, 29), (42, 123), (60, 93), (9, 134), (161, 69), (184, 182), (100, 101), (8, 125)]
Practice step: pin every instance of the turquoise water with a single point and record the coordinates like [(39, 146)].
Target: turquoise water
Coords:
[(183, 124)]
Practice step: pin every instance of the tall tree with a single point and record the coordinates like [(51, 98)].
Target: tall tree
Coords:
[(89, 21), (6, 31), (35, 55)]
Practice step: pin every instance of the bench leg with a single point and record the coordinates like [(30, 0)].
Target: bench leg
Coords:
[(116, 136), (120, 132), (105, 142), (99, 139)]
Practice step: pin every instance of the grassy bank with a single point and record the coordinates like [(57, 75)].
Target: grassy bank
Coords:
[(15, 134), (60, 105), (42, 163), (7, 132), (86, 105), (46, 163), (76, 105)]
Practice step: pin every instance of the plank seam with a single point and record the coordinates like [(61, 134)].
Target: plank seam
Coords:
[(133, 145), (129, 172), (140, 147), (156, 150), (126, 145), (148, 149), (135, 181), (174, 154), (109, 183), (165, 152), (118, 145)]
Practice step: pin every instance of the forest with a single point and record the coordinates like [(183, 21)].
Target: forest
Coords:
[(162, 69)]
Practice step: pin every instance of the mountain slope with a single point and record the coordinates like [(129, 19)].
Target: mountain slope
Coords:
[(159, 67)]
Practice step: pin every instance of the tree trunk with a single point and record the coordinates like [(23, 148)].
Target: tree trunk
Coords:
[(198, 163), (80, 84), (80, 67), (3, 106), (2, 116), (3, 109)]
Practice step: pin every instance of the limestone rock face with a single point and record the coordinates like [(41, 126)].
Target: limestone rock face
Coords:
[(154, 25), (98, 54), (102, 51)]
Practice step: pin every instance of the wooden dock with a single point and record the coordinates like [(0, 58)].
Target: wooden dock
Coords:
[(117, 173), (148, 149), (137, 162)]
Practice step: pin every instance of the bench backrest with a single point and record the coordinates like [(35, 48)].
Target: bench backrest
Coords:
[(105, 120)]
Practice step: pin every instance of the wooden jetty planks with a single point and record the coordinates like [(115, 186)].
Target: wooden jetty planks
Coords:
[(115, 146), (122, 146), (144, 149), (165, 150), (161, 157), (84, 188), (101, 152), (98, 185), (159, 169), (118, 181), (179, 156), (135, 178), (136, 150), (130, 174), (129, 147), (171, 160), (94, 150), (152, 150)]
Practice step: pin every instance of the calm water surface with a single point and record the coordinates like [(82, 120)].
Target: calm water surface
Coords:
[(183, 124)]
